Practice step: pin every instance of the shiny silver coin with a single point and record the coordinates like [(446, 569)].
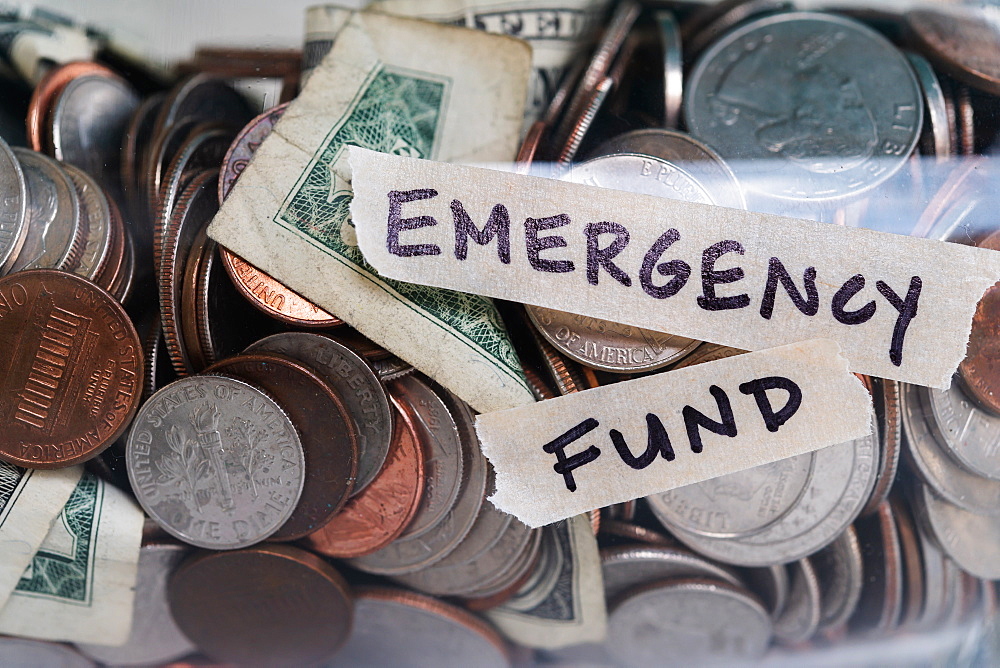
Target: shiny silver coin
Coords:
[(953, 482), (806, 106), (839, 570), (391, 368), (13, 206), (938, 142), (88, 122), (97, 212), (25, 653), (687, 622), (364, 396), (673, 75), (970, 435), (972, 540), (393, 627), (215, 461), (628, 566), (154, 638), (737, 504), (53, 214), (800, 618)]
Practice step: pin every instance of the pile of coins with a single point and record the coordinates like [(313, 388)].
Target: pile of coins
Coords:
[(314, 500)]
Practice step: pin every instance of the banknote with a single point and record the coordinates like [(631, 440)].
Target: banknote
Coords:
[(397, 86), (564, 604), (30, 501), (79, 585)]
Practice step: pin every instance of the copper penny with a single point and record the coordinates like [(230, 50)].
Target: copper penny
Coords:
[(379, 514), (44, 96), (244, 146), (634, 533), (980, 370), (70, 372), (963, 44), (268, 605), (329, 438)]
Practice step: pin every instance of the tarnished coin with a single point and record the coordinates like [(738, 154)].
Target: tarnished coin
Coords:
[(96, 211), (88, 121), (13, 207), (806, 106), (963, 43), (881, 601), (800, 617), (329, 439), (626, 567), (71, 369), (364, 396), (839, 571), (53, 214), (714, 622), (970, 435), (154, 637), (395, 627), (379, 514), (980, 370), (215, 461), (269, 605), (972, 540), (244, 146)]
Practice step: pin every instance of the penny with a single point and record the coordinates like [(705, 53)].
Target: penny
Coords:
[(801, 615), (244, 146), (840, 573), (45, 93), (913, 567), (881, 600), (53, 213), (269, 605), (215, 461), (154, 638), (972, 540), (121, 288), (397, 627), (938, 140), (194, 319), (966, 121), (633, 533), (71, 367), (13, 208), (964, 45), (714, 622), (980, 370), (379, 514), (329, 440), (97, 213), (88, 121), (817, 127), (623, 568), (361, 390)]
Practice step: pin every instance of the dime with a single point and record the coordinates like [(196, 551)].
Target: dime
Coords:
[(937, 141), (839, 571), (797, 100), (154, 638), (626, 567), (363, 394), (396, 627), (980, 370), (972, 540), (53, 213), (379, 514), (329, 439), (97, 213), (881, 600), (13, 208), (801, 615), (269, 605), (215, 461), (714, 622), (963, 44), (71, 369), (87, 123)]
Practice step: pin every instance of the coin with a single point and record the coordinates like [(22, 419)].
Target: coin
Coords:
[(244, 146), (840, 573), (379, 514), (938, 139), (800, 617), (713, 621), (964, 45), (721, 17), (53, 213), (135, 143), (771, 584), (46, 92), (96, 210), (13, 208), (796, 99), (202, 148), (881, 600), (71, 368), (634, 533), (886, 394), (269, 605), (215, 461), (623, 568), (980, 370), (329, 439), (673, 77), (913, 566), (972, 540), (154, 637), (970, 435)]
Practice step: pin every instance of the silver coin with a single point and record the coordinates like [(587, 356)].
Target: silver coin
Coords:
[(53, 214), (806, 105), (398, 628), (391, 368), (516, 571), (13, 206), (771, 584), (94, 206), (88, 122), (628, 566), (737, 504), (937, 109), (972, 540), (24, 653), (935, 589), (967, 490), (673, 75), (970, 434), (154, 638), (215, 461), (363, 394), (838, 567), (800, 618), (712, 622)]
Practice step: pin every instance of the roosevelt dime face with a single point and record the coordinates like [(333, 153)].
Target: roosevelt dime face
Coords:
[(215, 461)]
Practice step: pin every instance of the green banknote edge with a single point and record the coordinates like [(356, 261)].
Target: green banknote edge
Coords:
[(396, 111)]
